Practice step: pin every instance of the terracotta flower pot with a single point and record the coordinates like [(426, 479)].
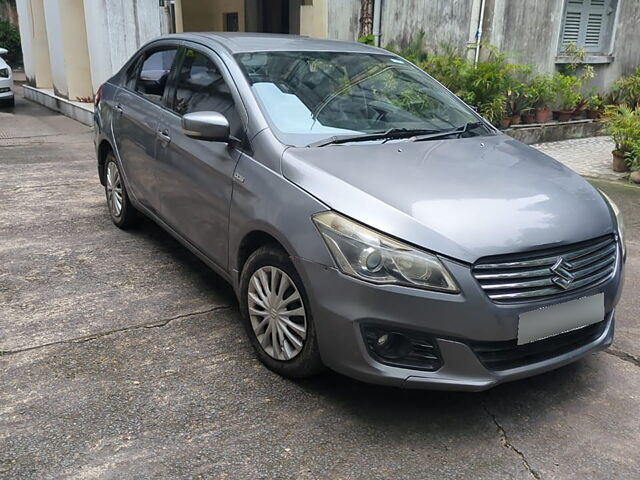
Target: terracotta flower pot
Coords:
[(594, 114), (543, 115), (528, 118), (565, 115), (515, 119), (619, 164), (505, 122)]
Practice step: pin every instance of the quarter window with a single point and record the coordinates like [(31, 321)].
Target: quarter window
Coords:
[(154, 73), (201, 87)]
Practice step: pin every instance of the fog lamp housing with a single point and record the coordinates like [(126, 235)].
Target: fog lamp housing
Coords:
[(402, 348)]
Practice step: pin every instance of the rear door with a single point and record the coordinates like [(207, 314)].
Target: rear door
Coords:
[(195, 176), (137, 112)]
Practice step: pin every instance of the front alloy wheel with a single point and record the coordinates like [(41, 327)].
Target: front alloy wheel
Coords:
[(277, 313)]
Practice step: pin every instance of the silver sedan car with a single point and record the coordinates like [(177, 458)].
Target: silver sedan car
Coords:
[(369, 221)]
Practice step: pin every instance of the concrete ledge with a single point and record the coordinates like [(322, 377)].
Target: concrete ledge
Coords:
[(82, 112), (555, 131)]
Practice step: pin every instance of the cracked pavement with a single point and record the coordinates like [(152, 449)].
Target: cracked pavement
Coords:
[(122, 356)]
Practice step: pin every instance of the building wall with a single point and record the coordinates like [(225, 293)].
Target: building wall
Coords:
[(26, 36), (115, 30), (314, 19), (40, 44), (444, 21), (56, 47), (208, 15), (626, 43), (344, 19), (507, 22)]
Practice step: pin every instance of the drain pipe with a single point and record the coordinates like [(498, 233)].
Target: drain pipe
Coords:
[(479, 32), (377, 8)]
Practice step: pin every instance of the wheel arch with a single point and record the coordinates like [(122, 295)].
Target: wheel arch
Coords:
[(251, 242), (103, 150)]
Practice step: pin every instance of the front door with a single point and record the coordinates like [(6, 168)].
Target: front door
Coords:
[(136, 116), (195, 176)]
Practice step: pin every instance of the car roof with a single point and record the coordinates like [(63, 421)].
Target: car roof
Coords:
[(236, 42)]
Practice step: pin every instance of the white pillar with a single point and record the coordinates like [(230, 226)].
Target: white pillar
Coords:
[(56, 47), (24, 24), (115, 30), (314, 19)]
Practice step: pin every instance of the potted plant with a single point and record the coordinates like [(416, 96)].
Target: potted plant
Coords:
[(595, 105), (541, 93), (623, 124), (633, 161), (567, 96)]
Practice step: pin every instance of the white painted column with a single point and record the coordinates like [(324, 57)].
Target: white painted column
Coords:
[(314, 19), (40, 45), (56, 47), (115, 30), (26, 34)]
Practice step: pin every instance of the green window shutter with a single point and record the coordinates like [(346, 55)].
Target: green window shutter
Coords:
[(584, 24), (594, 26)]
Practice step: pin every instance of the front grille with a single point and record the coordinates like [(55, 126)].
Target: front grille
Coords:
[(506, 355), (547, 273)]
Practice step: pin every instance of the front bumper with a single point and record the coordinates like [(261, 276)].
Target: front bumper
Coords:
[(341, 304), (6, 88)]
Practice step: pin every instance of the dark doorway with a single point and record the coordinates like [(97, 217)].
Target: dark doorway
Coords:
[(273, 16)]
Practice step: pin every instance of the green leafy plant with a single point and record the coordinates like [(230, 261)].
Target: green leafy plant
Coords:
[(595, 101), (541, 91), (367, 39), (632, 157), (566, 88), (627, 89), (10, 39), (623, 124)]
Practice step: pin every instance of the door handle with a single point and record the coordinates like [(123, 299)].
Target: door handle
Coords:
[(118, 108), (164, 135)]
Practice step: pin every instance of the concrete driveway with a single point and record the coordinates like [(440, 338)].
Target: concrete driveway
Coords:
[(122, 356)]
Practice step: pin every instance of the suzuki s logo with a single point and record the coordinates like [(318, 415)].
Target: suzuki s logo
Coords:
[(563, 277)]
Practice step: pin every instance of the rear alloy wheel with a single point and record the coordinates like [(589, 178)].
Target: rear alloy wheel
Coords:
[(277, 317), (123, 214)]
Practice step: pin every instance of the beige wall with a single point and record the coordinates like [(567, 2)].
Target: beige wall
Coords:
[(40, 45), (76, 51), (314, 19), (207, 15)]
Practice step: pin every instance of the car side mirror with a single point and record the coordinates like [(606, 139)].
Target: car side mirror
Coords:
[(3, 51), (211, 126)]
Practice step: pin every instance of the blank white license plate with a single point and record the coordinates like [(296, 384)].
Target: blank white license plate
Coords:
[(563, 317)]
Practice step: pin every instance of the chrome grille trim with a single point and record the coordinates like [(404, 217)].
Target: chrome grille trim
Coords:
[(529, 276)]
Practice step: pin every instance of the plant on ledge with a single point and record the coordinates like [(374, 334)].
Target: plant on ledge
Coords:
[(623, 124), (567, 89)]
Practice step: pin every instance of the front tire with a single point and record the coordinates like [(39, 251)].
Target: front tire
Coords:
[(276, 314), (122, 212)]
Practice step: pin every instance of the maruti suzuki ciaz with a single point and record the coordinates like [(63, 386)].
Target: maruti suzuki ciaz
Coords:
[(369, 221)]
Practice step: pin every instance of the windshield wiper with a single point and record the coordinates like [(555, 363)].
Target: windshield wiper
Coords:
[(390, 134), (446, 133)]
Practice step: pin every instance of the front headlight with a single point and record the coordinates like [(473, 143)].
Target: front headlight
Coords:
[(4, 72), (619, 221), (368, 255)]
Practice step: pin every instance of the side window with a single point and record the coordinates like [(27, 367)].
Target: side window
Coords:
[(200, 87), (154, 72)]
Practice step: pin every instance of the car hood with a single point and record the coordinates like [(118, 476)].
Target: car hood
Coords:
[(465, 198)]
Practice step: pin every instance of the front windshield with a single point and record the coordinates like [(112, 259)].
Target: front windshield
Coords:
[(310, 96)]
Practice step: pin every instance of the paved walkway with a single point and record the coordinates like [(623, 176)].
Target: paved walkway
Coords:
[(587, 156)]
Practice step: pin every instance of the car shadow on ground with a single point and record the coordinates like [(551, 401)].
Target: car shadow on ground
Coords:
[(382, 406)]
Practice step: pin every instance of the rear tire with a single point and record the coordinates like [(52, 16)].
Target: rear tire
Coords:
[(122, 212), (277, 315), (11, 103)]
